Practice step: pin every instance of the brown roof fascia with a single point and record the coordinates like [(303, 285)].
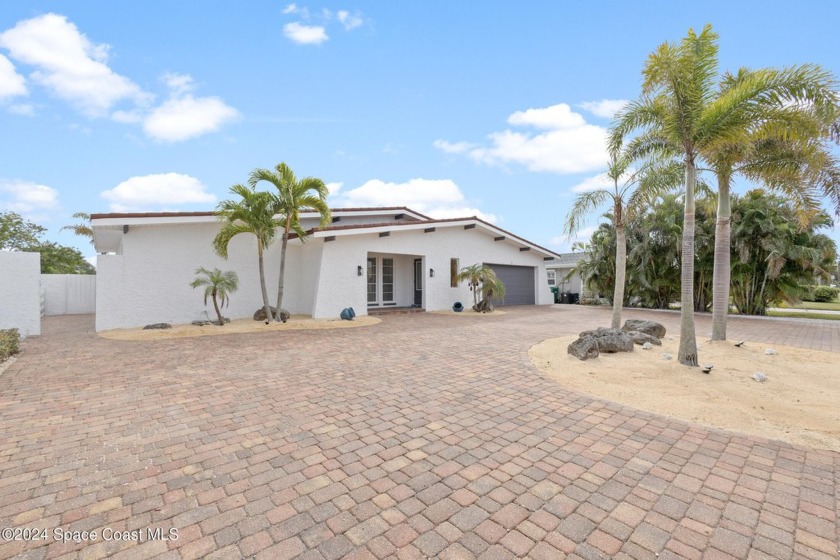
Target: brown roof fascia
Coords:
[(102, 216)]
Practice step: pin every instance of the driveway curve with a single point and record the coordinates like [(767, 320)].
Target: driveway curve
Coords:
[(425, 436)]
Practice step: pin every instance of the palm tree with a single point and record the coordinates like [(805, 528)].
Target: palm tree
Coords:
[(293, 196), (473, 276), (253, 214), (482, 280), (794, 110), (683, 111), (217, 285), (83, 228), (649, 181)]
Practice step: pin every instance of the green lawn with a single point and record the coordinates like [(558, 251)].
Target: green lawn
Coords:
[(832, 306), (805, 315)]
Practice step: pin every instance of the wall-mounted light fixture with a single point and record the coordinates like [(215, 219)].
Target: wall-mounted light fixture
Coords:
[(431, 273), (359, 270)]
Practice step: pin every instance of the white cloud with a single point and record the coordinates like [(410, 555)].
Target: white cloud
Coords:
[(453, 147), (348, 20), (333, 188), (12, 84), (438, 198), (25, 109), (569, 144), (598, 182), (149, 192), (182, 118), (69, 64), (26, 197), (305, 34), (606, 108), (290, 9), (179, 84)]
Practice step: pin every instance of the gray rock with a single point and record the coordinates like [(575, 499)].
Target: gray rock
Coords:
[(643, 338), (158, 326), (648, 327), (667, 356), (647, 346), (584, 348), (770, 352), (259, 314), (760, 377), (608, 340)]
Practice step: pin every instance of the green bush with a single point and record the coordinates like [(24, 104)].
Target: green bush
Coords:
[(826, 294), (9, 343)]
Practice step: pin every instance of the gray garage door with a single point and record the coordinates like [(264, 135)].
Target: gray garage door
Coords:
[(518, 281)]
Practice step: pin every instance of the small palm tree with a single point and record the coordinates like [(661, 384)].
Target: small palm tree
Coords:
[(83, 228), (293, 196), (217, 285), (472, 275), (252, 214), (629, 191), (484, 285)]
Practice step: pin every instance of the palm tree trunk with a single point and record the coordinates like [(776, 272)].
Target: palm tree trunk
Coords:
[(218, 311), (266, 306), (687, 354), (722, 269), (620, 273), (280, 283)]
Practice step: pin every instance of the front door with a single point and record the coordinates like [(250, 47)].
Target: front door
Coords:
[(380, 281), (418, 282)]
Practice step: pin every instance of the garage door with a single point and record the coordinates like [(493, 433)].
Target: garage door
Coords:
[(518, 281)]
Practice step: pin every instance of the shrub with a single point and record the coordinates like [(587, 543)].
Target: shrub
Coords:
[(9, 343), (826, 294)]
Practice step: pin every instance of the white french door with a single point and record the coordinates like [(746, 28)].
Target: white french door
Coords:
[(380, 281)]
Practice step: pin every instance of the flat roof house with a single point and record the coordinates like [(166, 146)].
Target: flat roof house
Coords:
[(369, 258)]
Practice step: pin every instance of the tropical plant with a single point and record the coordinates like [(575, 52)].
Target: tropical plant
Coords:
[(790, 113), (484, 285), (17, 234), (774, 256), (58, 259), (628, 192), (253, 213), (293, 196), (218, 286), (82, 228)]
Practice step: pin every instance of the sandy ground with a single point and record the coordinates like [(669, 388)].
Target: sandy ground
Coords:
[(296, 322), (799, 403)]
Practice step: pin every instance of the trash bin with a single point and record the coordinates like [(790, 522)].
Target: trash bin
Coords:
[(564, 297), (574, 297), (556, 291)]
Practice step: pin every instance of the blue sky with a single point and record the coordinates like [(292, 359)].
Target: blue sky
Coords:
[(451, 108)]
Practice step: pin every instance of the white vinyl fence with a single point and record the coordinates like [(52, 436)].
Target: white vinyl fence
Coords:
[(69, 294)]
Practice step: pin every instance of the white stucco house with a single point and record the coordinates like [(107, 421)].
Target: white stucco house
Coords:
[(368, 259), (561, 273)]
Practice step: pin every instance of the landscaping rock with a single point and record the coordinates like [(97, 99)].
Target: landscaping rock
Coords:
[(645, 326), (647, 346), (584, 348), (643, 338), (604, 340), (200, 323), (667, 356), (760, 377), (770, 352), (483, 306), (158, 326), (259, 314)]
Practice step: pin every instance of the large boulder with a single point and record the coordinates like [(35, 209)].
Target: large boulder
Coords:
[(644, 326), (584, 348), (641, 338), (591, 343), (259, 314)]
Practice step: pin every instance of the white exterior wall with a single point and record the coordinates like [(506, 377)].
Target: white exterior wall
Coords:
[(340, 286), (69, 294), (149, 281), (573, 284), (20, 292)]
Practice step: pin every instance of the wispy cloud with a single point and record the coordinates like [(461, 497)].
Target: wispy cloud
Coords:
[(348, 20), (605, 108), (150, 192), (305, 34)]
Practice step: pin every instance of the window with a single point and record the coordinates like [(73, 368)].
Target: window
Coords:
[(371, 280), (387, 281), (552, 277), (453, 273)]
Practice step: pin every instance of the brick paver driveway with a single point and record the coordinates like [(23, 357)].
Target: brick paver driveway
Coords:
[(423, 436)]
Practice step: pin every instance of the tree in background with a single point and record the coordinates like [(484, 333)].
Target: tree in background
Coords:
[(82, 228), (252, 213), (293, 196), (17, 234), (218, 286)]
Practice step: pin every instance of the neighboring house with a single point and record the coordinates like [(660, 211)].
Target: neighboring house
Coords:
[(369, 258), (560, 273)]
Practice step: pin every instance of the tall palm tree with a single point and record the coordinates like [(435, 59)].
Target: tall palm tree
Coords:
[(629, 189), (293, 196), (218, 286), (793, 114), (83, 228), (682, 110), (253, 213)]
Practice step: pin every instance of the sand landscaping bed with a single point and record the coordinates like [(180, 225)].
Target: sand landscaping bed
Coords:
[(296, 322), (799, 403), (470, 313)]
